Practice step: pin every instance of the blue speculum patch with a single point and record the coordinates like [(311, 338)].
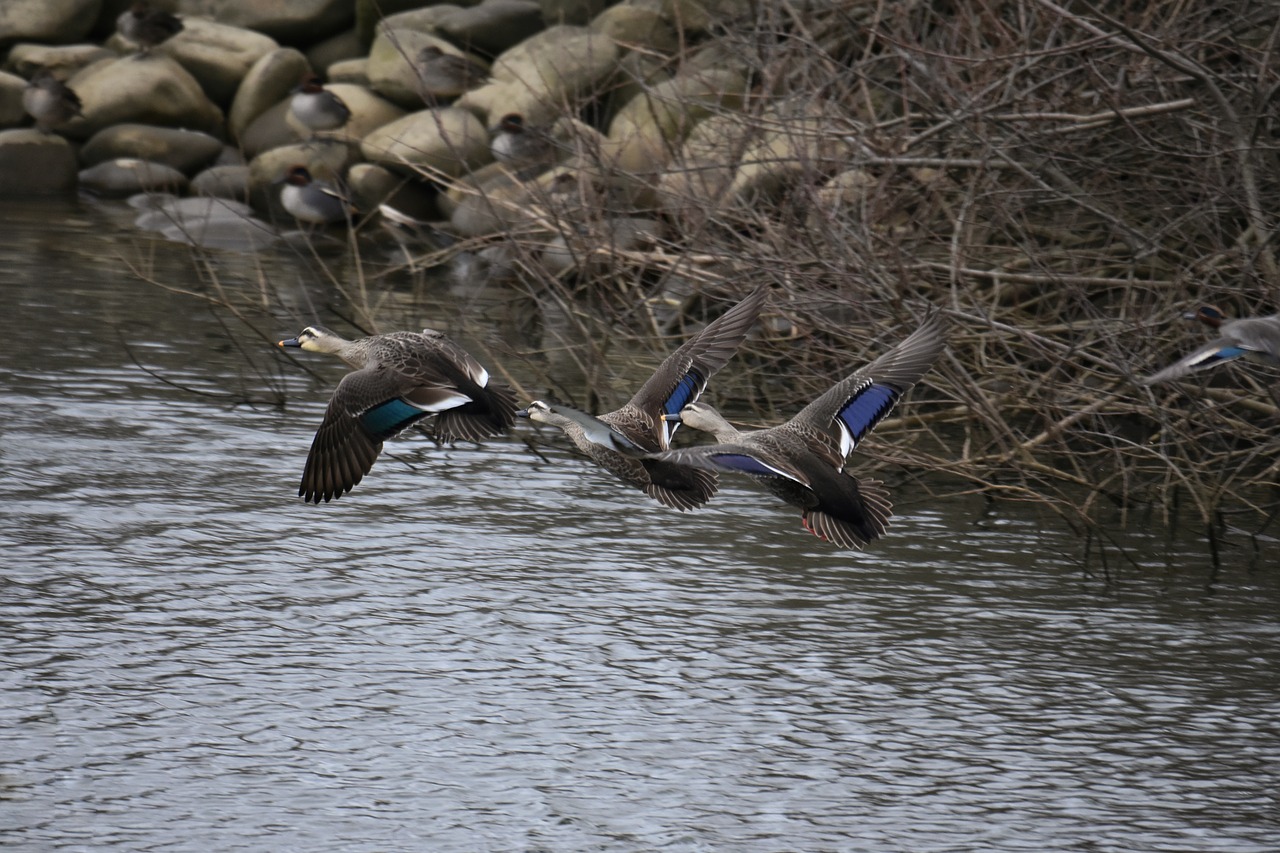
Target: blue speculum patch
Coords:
[(1224, 354), (684, 392), (386, 419), (745, 464), (865, 409)]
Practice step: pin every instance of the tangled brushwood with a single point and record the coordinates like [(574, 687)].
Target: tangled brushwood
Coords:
[(1065, 180)]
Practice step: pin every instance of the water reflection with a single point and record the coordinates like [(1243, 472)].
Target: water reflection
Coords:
[(479, 649)]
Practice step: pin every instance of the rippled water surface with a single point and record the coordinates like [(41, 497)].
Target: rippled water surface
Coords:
[(484, 649)]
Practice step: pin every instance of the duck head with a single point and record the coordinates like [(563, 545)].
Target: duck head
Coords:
[(315, 339)]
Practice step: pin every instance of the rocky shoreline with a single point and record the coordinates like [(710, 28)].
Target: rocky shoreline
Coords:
[(635, 103)]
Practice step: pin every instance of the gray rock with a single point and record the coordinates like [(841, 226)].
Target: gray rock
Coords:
[(493, 26), (345, 45), (390, 68), (354, 71), (56, 21), (591, 249), (60, 60), (127, 176), (371, 186), (184, 150), (211, 223), (267, 83), (12, 112), (556, 65), (35, 163), (222, 182), (448, 140), (491, 207), (148, 90), (631, 24), (292, 21), (570, 11), (269, 130), (699, 16), (324, 158), (372, 14), (217, 55), (368, 112), (647, 128)]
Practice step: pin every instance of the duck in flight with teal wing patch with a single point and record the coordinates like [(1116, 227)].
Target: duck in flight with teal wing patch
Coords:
[(399, 378)]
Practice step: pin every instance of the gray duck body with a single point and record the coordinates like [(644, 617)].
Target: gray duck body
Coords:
[(399, 378), (1251, 338), (50, 101), (147, 27), (802, 461), (316, 108), (446, 75), (313, 201), (618, 441)]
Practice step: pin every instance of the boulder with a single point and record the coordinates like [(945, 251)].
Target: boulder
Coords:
[(368, 112), (60, 60), (222, 182), (146, 90), (217, 55), (493, 26), (291, 21), (448, 140), (800, 149), (699, 17), (12, 113), (268, 82), (56, 21), (212, 223), (354, 71), (35, 163), (648, 127), (570, 11), (345, 45), (630, 24), (325, 159), (558, 65), (390, 67), (127, 176), (184, 150), (372, 185), (269, 130)]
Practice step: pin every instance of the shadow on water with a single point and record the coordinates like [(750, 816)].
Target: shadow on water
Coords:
[(482, 649)]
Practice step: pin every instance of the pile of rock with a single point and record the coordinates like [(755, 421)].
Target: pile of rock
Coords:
[(464, 114)]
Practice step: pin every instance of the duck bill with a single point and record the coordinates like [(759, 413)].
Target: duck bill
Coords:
[(672, 418), (290, 342), (522, 413)]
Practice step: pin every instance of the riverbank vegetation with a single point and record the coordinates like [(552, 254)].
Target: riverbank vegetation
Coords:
[(1064, 180)]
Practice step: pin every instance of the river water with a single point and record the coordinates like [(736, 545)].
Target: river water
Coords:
[(491, 649)]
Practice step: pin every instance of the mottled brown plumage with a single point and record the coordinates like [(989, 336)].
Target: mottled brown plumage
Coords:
[(616, 441), (399, 379), (802, 461)]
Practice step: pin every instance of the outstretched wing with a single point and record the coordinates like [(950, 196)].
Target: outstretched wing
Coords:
[(684, 375), (835, 423)]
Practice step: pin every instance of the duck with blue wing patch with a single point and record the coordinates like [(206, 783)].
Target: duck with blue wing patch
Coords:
[(802, 461), (1254, 339), (399, 379), (620, 441)]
